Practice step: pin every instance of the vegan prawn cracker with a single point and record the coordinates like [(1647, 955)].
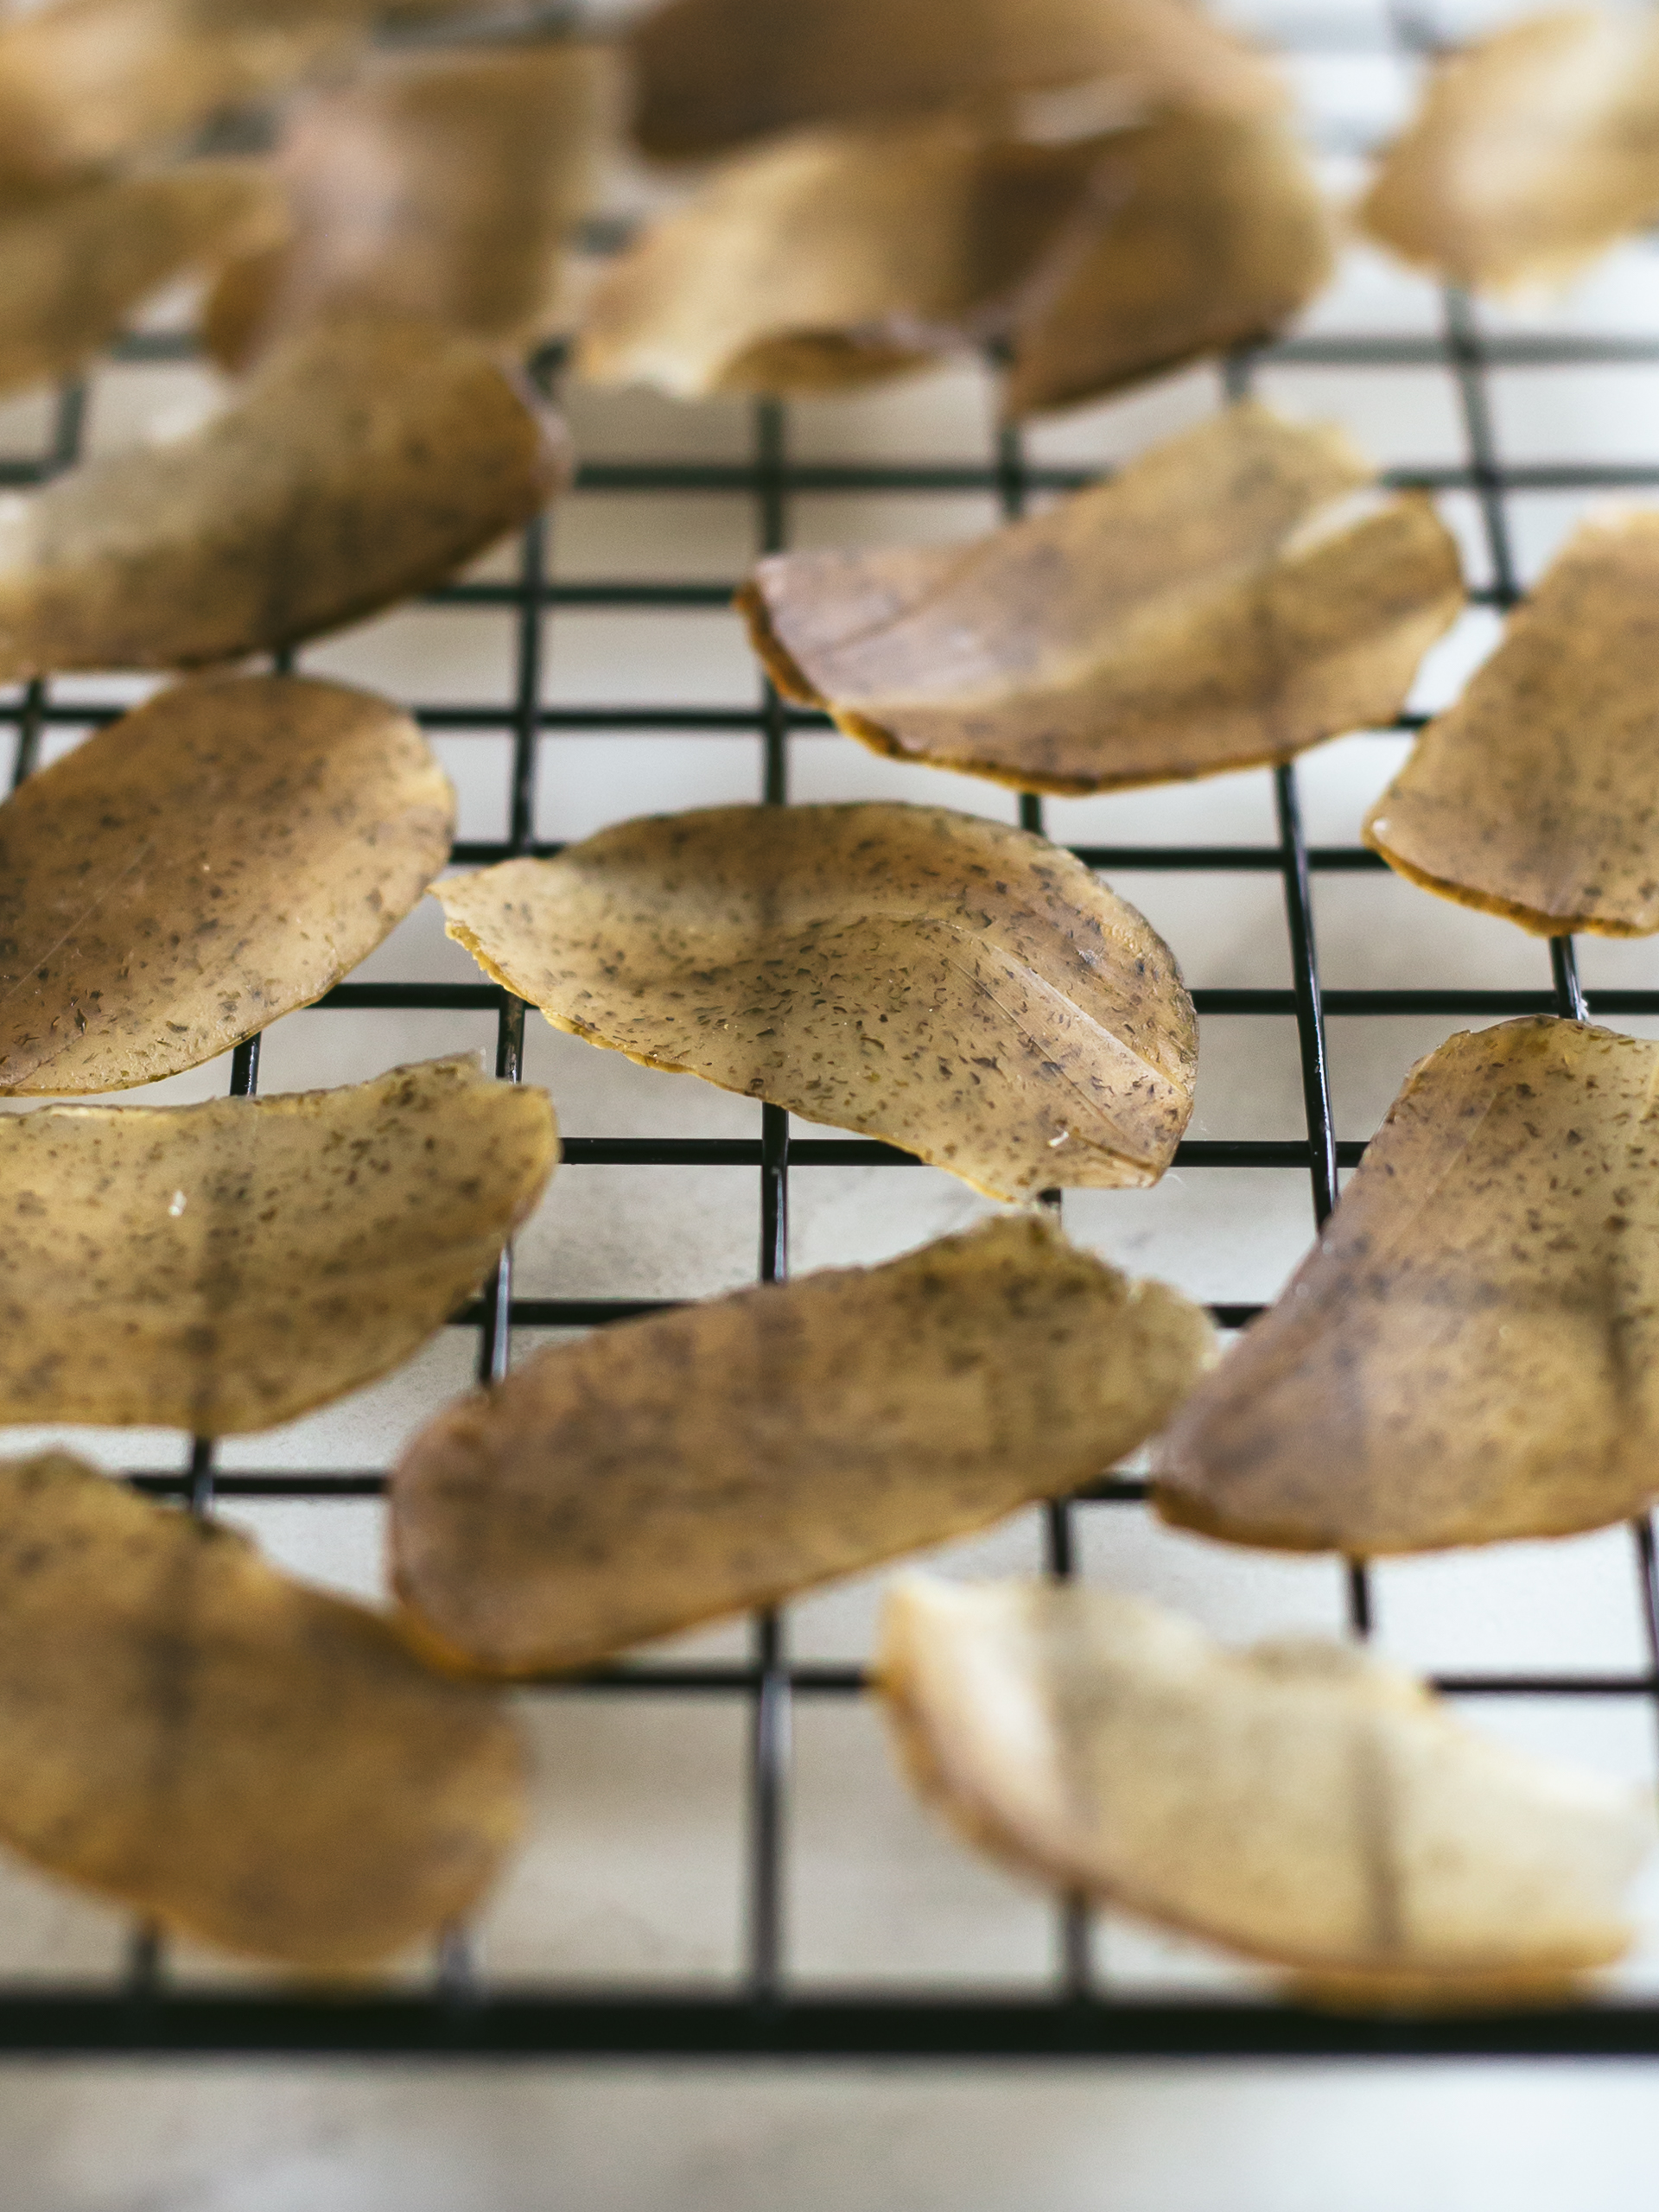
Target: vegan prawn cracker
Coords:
[(1300, 1801), (217, 857), (244, 1760), (225, 1267), (366, 461), (1211, 607), (668, 1470), (1469, 1354), (965, 990), (1535, 796)]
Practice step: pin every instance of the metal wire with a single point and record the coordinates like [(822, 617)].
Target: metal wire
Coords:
[(459, 2014)]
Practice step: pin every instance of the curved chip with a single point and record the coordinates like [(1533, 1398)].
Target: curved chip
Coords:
[(1297, 1802), (366, 460), (965, 990), (225, 1267), (836, 257), (442, 186), (713, 72), (1532, 150), (665, 1471), (84, 83), (1536, 795), (1217, 234), (244, 1760), (1214, 606), (75, 265), (223, 855), (1472, 1351)]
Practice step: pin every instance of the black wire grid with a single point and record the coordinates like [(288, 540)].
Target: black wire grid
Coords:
[(457, 2014)]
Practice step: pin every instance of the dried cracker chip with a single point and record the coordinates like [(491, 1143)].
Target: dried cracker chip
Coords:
[(220, 856), (839, 255), (836, 257), (444, 185), (84, 83), (246, 1760), (1297, 1802), (713, 72), (225, 1267), (1536, 795), (1217, 233), (666, 1471), (74, 265), (1532, 150), (1214, 606), (1470, 1353), (365, 461), (963, 989)]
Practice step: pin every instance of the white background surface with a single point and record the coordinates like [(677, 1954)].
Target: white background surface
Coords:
[(633, 1874)]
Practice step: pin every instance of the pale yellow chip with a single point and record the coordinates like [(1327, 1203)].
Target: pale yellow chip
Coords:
[(241, 1759), (963, 989), (1470, 1353), (839, 255), (225, 1267), (1298, 1803), (442, 185), (85, 83), (75, 264), (713, 72), (1214, 606), (221, 855), (665, 1471), (1533, 149), (1536, 795), (366, 460)]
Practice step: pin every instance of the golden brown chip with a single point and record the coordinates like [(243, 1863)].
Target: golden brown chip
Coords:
[(75, 264), (87, 82), (713, 72), (1536, 795), (226, 1266), (1532, 150), (1217, 234), (836, 256), (960, 988), (669, 1470), (839, 255), (438, 185), (219, 857), (244, 1760), (1470, 1353), (365, 461), (1212, 608), (1297, 1801)]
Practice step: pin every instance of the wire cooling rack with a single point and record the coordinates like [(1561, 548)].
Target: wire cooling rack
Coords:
[(456, 2012)]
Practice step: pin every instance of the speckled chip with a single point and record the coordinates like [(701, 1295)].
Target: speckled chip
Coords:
[(366, 461), (219, 856), (225, 1267), (87, 83), (1536, 795), (443, 185), (842, 255), (1470, 1353), (965, 990), (711, 73), (1533, 149), (1217, 605), (75, 264), (666, 1471), (240, 1757), (1298, 1801)]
